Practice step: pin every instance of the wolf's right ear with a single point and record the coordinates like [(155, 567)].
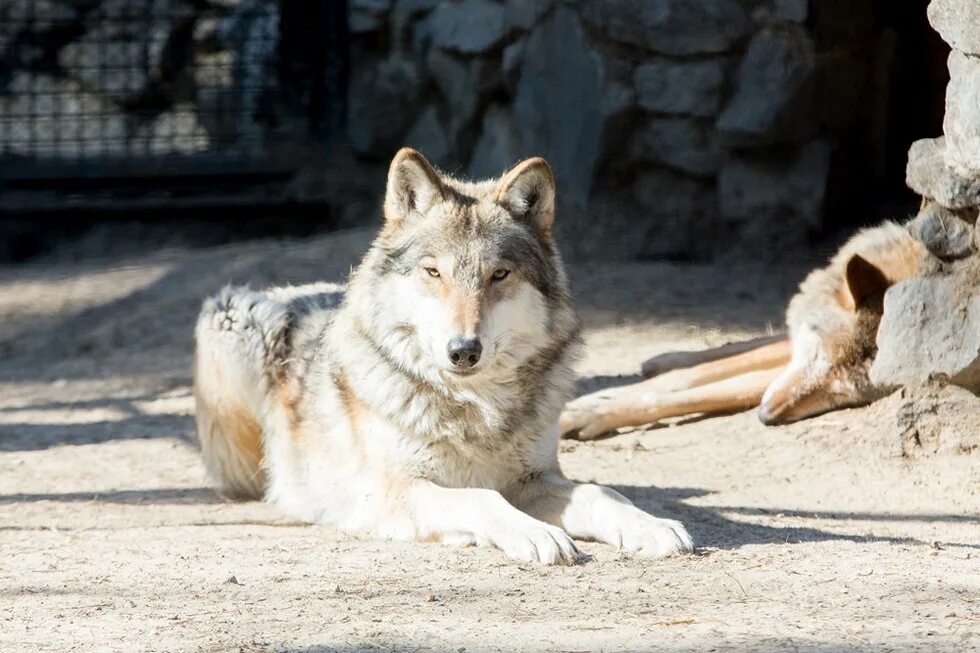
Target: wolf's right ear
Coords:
[(527, 191), (413, 186), (864, 279)]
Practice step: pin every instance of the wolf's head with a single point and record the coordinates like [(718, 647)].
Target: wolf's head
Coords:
[(464, 278), (832, 358)]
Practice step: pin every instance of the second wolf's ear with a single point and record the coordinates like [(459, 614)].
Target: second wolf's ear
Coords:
[(527, 191), (413, 186), (864, 280)]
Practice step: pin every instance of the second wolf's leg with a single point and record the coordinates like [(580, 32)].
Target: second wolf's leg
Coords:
[(675, 360), (593, 512), (638, 405), (483, 516)]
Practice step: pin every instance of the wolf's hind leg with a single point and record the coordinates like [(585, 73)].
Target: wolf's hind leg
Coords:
[(594, 512), (675, 360), (636, 406), (235, 334)]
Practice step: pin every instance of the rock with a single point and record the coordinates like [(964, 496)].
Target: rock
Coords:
[(383, 100), (34, 16), (373, 6), (428, 136), (499, 146), (676, 27), (679, 212), (364, 22), (773, 91), (527, 13), (962, 123), (511, 61), (558, 102), (409, 8), (938, 419), (957, 21), (776, 187), (681, 143), (470, 26), (928, 175), (945, 234), (778, 11), (463, 83), (685, 87), (931, 327)]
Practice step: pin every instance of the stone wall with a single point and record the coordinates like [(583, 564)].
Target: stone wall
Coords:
[(676, 128)]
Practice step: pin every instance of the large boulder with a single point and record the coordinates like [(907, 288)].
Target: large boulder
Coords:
[(776, 187), (957, 21), (463, 85), (773, 96), (936, 419), (684, 87), (499, 146), (470, 26), (681, 143), (930, 328), (928, 174), (675, 27), (962, 122), (943, 232), (383, 100), (558, 104)]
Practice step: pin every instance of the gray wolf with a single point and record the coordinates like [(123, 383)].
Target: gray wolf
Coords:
[(822, 365), (421, 401)]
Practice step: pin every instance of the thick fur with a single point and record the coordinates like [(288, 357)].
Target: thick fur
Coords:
[(833, 326), (341, 406)]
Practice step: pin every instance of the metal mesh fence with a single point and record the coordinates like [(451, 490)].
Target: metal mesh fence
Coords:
[(84, 80)]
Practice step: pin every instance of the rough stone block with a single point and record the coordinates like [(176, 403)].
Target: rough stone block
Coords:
[(773, 97), (684, 87), (962, 122), (383, 99), (944, 233), (499, 146), (558, 104), (937, 419), (957, 22), (676, 27), (928, 174), (428, 135), (776, 187), (470, 26), (931, 327), (681, 143), (463, 84), (679, 210), (778, 11)]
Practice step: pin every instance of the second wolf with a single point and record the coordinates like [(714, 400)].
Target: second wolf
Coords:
[(823, 365), (421, 402)]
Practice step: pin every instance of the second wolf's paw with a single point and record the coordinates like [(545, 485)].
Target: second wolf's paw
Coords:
[(535, 541), (588, 417), (653, 537)]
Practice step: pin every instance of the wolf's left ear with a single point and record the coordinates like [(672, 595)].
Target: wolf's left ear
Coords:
[(864, 279), (527, 191), (413, 185)]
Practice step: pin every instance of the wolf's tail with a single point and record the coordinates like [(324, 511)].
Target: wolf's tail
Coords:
[(235, 332)]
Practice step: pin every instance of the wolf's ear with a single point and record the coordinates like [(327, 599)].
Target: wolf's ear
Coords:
[(527, 191), (864, 279), (413, 185)]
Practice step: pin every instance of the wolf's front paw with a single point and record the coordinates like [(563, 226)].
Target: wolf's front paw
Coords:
[(535, 541), (649, 536)]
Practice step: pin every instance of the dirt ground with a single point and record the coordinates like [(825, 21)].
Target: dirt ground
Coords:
[(815, 537)]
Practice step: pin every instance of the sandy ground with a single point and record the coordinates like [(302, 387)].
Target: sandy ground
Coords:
[(814, 537)]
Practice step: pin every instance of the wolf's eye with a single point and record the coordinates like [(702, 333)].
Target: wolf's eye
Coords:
[(500, 273), (432, 272)]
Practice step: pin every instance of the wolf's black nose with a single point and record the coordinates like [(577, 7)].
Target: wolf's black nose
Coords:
[(464, 352)]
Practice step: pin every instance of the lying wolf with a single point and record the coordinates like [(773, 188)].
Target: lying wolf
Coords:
[(823, 365), (421, 402)]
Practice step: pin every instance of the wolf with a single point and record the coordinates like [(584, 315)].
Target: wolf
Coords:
[(822, 365), (421, 401)]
